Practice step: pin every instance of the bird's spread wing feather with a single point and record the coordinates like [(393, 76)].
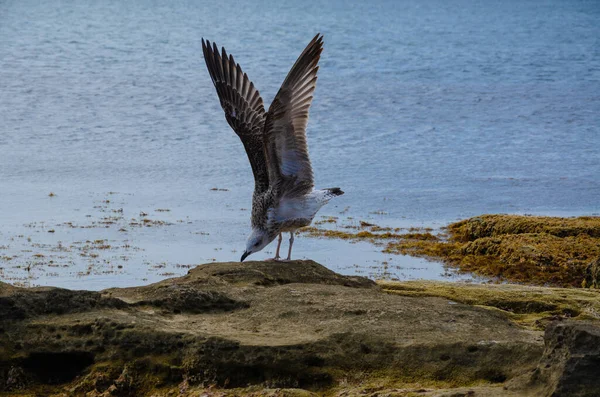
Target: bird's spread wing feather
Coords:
[(285, 126), (243, 106)]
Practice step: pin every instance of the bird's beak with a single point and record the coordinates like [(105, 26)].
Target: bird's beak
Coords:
[(244, 256)]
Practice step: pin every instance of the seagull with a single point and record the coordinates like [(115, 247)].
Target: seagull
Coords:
[(284, 197)]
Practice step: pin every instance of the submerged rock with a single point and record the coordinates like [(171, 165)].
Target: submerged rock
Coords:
[(257, 328)]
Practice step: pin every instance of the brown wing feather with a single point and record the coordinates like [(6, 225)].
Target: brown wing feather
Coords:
[(285, 126), (243, 106)]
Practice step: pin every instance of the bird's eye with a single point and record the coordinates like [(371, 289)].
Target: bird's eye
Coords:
[(257, 244)]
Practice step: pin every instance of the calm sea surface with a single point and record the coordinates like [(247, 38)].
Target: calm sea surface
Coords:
[(425, 112)]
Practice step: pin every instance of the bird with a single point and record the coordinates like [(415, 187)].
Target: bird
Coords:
[(284, 197)]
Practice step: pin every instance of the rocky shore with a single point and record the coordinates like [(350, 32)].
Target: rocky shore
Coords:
[(298, 329)]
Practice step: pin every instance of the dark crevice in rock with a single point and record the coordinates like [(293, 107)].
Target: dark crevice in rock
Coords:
[(57, 367)]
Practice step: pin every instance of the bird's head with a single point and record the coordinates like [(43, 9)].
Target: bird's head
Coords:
[(257, 240)]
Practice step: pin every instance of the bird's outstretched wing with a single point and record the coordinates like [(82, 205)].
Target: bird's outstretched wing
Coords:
[(243, 106), (285, 126)]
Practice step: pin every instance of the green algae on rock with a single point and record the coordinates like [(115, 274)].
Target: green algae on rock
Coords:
[(529, 306)]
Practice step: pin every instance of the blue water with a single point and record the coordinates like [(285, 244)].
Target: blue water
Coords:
[(425, 112)]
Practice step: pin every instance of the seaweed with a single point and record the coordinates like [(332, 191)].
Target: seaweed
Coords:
[(526, 249)]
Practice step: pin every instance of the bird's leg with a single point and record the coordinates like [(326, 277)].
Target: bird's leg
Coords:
[(277, 251), (278, 245), (290, 249)]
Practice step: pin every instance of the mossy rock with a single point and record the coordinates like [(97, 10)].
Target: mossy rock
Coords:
[(498, 225), (525, 249), (528, 306), (592, 274)]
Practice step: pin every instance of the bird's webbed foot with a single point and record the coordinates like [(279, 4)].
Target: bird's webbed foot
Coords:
[(275, 259)]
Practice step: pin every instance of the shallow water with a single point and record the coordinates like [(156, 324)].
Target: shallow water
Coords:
[(425, 112)]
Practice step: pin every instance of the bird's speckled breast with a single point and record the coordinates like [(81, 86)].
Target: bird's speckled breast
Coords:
[(293, 224)]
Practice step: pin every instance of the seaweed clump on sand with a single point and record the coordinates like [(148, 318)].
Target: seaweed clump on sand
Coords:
[(531, 249)]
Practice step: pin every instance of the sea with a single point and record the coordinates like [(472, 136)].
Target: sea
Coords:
[(117, 167)]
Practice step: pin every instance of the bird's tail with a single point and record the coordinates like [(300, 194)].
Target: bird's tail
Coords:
[(334, 191)]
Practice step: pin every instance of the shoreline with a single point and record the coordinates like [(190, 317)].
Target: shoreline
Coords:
[(116, 245)]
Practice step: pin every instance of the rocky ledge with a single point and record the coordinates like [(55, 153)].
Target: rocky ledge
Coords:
[(280, 329)]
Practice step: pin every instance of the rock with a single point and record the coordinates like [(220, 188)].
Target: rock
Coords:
[(291, 328), (22, 304), (570, 365)]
